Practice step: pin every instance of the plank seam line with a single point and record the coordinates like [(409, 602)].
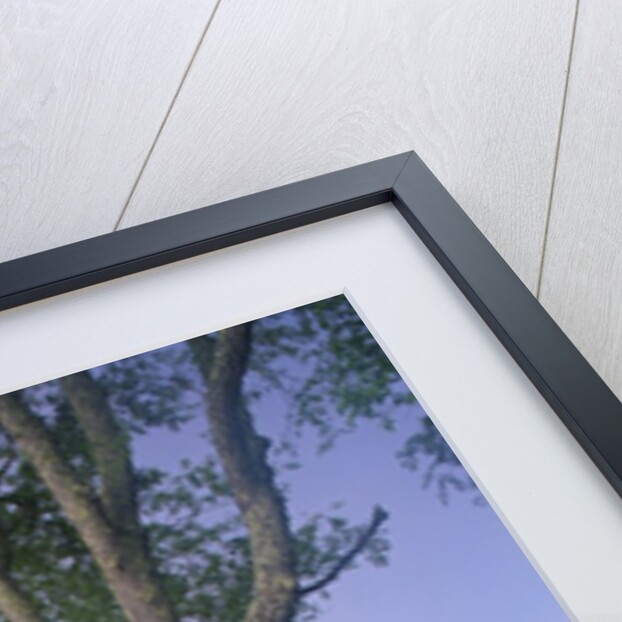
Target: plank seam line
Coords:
[(547, 218), (166, 115)]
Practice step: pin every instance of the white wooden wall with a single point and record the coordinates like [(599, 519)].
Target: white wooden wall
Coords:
[(118, 112)]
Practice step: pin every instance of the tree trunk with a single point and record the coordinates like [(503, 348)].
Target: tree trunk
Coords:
[(128, 574), (112, 455), (14, 604), (109, 447), (243, 454)]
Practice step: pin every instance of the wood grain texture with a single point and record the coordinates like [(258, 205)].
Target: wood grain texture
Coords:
[(582, 275), (282, 91), (84, 87)]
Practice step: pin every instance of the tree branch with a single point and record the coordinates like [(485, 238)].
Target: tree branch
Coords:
[(242, 452), (8, 463), (129, 577), (109, 447), (15, 605), (379, 516)]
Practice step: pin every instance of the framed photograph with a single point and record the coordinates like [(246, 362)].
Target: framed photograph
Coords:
[(331, 400)]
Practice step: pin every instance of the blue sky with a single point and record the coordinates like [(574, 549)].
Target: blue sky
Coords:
[(448, 563)]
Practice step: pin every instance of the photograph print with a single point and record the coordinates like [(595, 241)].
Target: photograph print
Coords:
[(275, 471)]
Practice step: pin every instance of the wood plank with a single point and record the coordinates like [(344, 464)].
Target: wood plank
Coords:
[(582, 275), (283, 91), (84, 87)]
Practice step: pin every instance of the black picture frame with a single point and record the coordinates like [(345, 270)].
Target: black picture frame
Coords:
[(572, 388)]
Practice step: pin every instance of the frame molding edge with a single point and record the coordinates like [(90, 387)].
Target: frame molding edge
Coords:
[(573, 389)]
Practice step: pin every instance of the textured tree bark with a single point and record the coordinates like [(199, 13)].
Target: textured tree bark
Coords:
[(112, 454), (128, 574), (14, 604), (242, 452), (110, 449)]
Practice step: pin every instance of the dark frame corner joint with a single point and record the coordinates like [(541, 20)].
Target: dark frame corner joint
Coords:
[(572, 388)]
